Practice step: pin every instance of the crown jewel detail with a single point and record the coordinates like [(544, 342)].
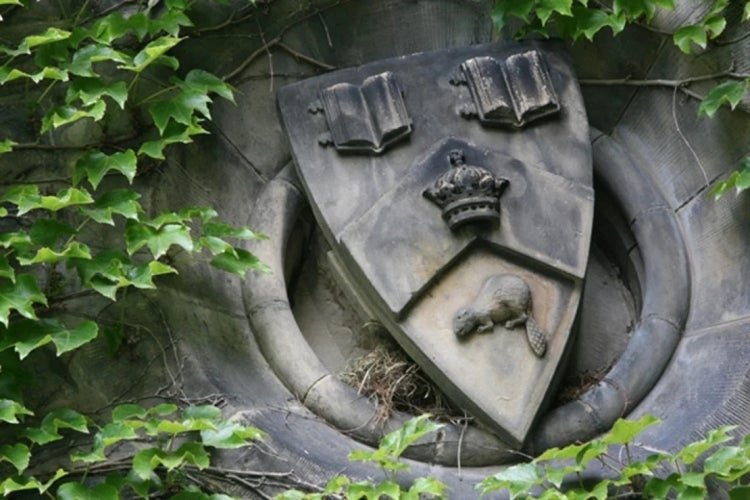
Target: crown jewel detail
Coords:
[(466, 193)]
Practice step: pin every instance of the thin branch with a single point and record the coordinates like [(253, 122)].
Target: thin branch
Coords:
[(303, 57), (661, 82), (682, 136), (249, 60)]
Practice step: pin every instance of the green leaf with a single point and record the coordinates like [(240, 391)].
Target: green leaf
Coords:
[(221, 230), (47, 232), (77, 491), (94, 165), (239, 262), (397, 441), (45, 255), (545, 9), (150, 53), (91, 90), (65, 115), (740, 492), (504, 9), (180, 108), (163, 410), (20, 296), (128, 411), (209, 412), (82, 61), (688, 35), (517, 479), (117, 201), (691, 452), (6, 145), (746, 12), (158, 240), (427, 486), (18, 455), (26, 335), (192, 453), (145, 461), (6, 270), (21, 483), (624, 431), (10, 410), (715, 25), (55, 420), (201, 81), (230, 435), (729, 93)]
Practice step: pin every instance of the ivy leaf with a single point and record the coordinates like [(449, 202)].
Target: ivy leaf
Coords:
[(746, 12), (201, 81), (157, 240), (128, 411), (150, 53), (21, 483), (221, 230), (230, 435), (90, 90), (729, 93), (6, 270), (427, 486), (47, 232), (45, 255), (518, 479), (82, 62), (77, 491), (691, 452), (715, 25), (688, 35), (62, 418), (49, 36), (20, 296), (545, 9), (117, 201), (94, 165), (18, 455), (65, 115), (170, 22), (6, 146), (739, 180), (180, 108), (239, 261), (10, 410), (26, 335), (503, 9), (623, 431)]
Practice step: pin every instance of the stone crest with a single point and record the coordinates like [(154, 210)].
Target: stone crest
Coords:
[(466, 238)]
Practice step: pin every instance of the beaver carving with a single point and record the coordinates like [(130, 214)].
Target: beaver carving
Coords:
[(505, 299)]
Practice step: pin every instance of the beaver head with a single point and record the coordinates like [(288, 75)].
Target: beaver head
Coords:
[(464, 321)]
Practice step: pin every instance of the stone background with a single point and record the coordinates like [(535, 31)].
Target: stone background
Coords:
[(193, 340)]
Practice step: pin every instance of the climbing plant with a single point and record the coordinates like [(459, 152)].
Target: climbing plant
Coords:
[(577, 19), (90, 70)]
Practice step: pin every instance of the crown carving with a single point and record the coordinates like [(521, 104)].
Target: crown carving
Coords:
[(467, 193)]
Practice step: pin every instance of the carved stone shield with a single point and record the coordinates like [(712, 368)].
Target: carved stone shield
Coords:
[(455, 189)]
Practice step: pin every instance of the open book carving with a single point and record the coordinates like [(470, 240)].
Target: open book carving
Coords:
[(365, 118), (513, 91)]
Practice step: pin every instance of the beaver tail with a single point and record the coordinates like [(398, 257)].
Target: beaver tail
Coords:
[(537, 338)]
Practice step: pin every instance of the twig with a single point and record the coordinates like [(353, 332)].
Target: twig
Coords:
[(249, 60), (303, 57), (682, 136)]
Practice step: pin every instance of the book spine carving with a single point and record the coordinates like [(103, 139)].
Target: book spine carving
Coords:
[(510, 92), (365, 118)]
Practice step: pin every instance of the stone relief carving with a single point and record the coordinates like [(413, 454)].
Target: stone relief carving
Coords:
[(504, 299), (466, 193), (512, 92), (364, 118)]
